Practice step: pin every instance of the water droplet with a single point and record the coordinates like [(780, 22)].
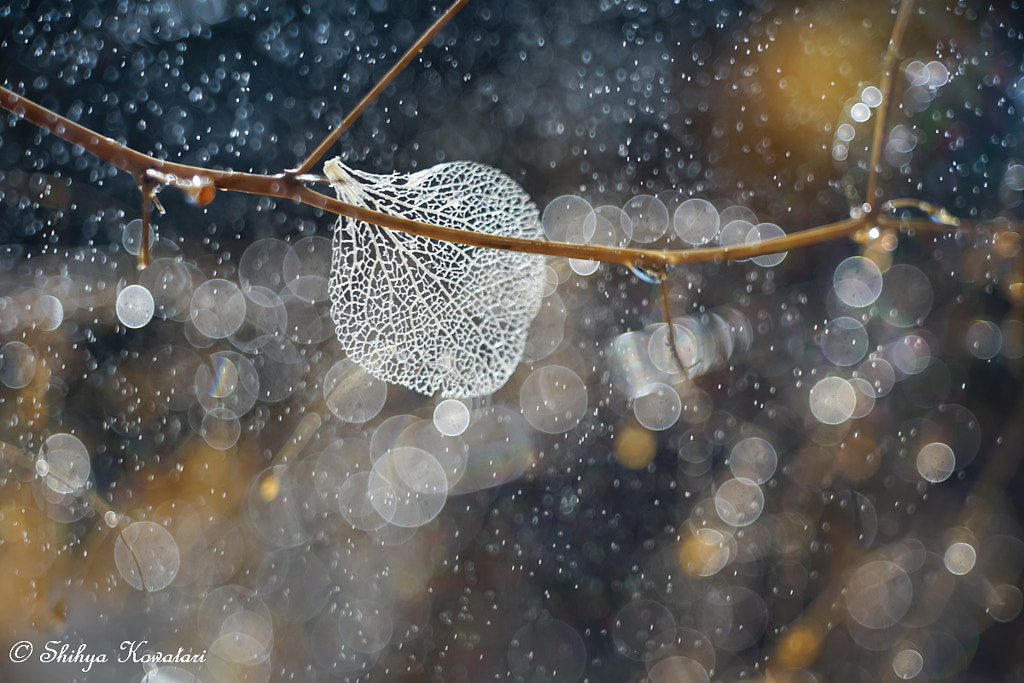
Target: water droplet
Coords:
[(553, 399), (146, 556), (135, 306)]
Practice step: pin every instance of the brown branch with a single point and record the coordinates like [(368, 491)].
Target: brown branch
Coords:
[(666, 313), (410, 54), (895, 40), (291, 186), (148, 188)]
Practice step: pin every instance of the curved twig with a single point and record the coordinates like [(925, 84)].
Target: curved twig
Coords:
[(290, 186)]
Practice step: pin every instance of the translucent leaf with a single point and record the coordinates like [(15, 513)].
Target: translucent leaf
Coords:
[(430, 315)]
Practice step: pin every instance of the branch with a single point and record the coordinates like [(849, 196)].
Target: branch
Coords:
[(290, 186), (895, 40), (399, 66)]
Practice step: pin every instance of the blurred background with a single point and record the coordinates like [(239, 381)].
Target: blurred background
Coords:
[(831, 492)]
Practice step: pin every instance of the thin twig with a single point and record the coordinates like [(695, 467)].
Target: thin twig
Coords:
[(666, 313), (393, 72), (147, 186), (895, 40)]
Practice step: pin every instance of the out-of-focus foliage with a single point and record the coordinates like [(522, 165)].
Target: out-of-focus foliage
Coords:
[(831, 492)]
